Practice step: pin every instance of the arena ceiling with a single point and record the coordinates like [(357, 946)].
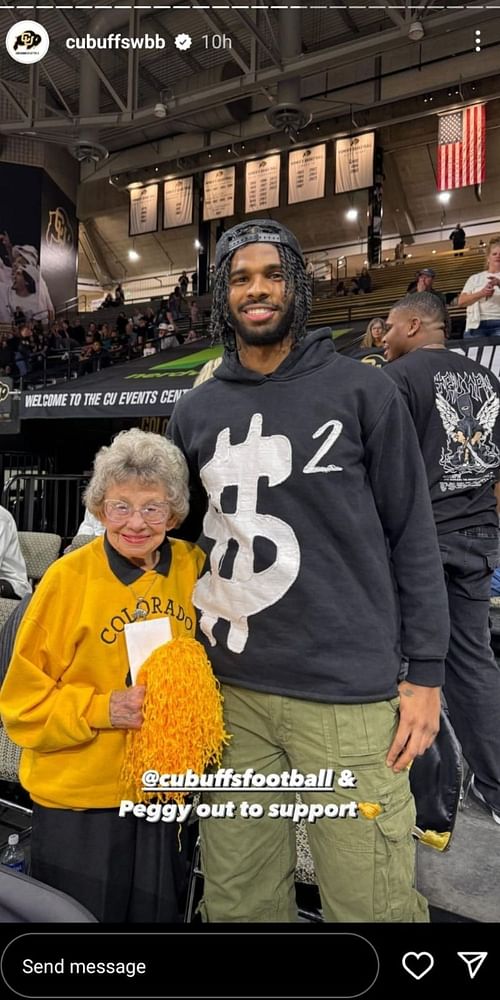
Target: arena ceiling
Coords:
[(280, 77)]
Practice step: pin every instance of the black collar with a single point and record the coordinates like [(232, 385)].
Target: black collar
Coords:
[(127, 572)]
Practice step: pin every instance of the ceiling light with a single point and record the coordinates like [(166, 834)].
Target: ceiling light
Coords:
[(133, 255), (434, 251), (416, 31), (444, 197), (351, 214), (197, 245)]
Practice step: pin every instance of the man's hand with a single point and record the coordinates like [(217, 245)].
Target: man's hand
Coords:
[(419, 710), (125, 708)]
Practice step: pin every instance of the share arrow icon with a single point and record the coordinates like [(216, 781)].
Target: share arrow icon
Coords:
[(473, 960)]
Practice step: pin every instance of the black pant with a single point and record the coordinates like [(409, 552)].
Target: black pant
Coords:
[(472, 684), (124, 870)]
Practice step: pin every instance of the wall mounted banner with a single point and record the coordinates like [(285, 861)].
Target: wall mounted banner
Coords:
[(59, 243), (143, 210), (262, 184), (178, 202), (354, 162), (146, 387), (306, 174), (218, 188)]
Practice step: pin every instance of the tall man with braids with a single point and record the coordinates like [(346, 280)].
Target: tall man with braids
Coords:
[(323, 572)]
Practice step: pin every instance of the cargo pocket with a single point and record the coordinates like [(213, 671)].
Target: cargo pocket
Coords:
[(395, 898), (365, 732)]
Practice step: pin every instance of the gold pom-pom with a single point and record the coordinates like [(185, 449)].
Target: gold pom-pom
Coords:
[(369, 809), (183, 727)]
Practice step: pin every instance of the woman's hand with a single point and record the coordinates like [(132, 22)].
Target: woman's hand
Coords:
[(125, 708)]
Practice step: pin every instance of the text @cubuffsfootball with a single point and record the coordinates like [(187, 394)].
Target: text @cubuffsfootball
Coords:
[(226, 779)]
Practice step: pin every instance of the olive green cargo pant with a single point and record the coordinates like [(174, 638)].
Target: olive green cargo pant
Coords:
[(364, 867)]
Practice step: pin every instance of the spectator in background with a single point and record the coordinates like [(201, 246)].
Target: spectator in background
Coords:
[(14, 581), (211, 277), (174, 303), (399, 251), (454, 403), (481, 295), (194, 282), (167, 336), (107, 301), (99, 357), (18, 318), (163, 314), (85, 360), (374, 333), (424, 282), (121, 323), (341, 289), (183, 283), (362, 282), (457, 237), (119, 296)]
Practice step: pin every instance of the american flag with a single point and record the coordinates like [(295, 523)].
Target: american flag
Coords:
[(462, 148)]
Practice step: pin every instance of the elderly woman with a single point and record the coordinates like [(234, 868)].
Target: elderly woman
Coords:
[(67, 698), (481, 295), (374, 333)]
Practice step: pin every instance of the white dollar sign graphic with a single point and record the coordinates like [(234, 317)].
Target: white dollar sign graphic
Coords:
[(246, 592)]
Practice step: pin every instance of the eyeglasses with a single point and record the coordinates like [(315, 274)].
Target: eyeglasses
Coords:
[(118, 512)]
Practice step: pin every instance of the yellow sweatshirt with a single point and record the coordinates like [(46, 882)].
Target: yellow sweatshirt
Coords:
[(70, 654)]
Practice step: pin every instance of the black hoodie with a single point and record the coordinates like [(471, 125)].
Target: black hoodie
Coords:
[(318, 518)]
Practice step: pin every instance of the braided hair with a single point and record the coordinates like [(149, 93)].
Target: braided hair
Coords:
[(296, 281)]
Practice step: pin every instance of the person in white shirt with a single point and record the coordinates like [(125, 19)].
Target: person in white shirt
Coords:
[(13, 577), (481, 295), (90, 525)]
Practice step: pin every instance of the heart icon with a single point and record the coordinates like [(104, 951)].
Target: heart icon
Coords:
[(422, 962)]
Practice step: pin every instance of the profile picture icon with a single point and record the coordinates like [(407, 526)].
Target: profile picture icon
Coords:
[(27, 42)]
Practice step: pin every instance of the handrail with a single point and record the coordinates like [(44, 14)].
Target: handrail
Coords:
[(46, 501)]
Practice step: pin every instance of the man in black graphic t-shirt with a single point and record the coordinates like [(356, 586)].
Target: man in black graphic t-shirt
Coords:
[(455, 404)]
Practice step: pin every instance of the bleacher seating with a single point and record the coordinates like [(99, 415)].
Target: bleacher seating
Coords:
[(390, 283)]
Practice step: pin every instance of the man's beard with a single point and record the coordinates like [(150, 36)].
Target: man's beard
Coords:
[(254, 338)]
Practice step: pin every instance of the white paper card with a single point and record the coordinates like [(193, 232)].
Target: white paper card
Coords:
[(142, 638)]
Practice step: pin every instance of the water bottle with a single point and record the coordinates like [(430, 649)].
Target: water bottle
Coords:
[(13, 855)]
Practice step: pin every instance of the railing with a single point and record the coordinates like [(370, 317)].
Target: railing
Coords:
[(63, 365), (15, 463), (40, 502)]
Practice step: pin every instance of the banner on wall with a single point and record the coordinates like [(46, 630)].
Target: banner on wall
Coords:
[(218, 193), (38, 241), (59, 245), (143, 217), (306, 174), (148, 386), (354, 162), (178, 202), (262, 184)]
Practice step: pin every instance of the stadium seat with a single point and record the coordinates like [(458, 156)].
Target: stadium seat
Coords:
[(40, 549), (25, 900)]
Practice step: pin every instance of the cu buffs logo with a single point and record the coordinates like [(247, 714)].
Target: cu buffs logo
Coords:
[(4, 392), (27, 42), (59, 231)]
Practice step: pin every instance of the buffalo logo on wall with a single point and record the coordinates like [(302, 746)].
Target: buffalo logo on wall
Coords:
[(27, 42), (4, 391), (59, 230)]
